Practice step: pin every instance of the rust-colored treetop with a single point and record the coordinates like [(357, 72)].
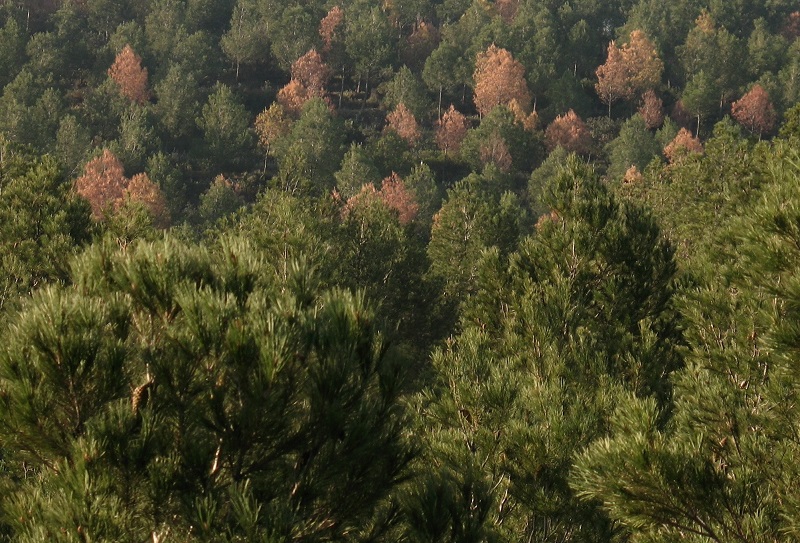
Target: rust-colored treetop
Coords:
[(499, 79), (271, 124), (328, 27), (129, 75), (629, 70), (396, 196), (682, 145), (451, 130), (106, 188), (312, 72), (755, 112), (403, 122), (393, 194), (494, 150), (570, 132), (292, 97), (652, 109)]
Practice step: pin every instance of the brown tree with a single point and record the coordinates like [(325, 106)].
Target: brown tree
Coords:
[(330, 26), (791, 29), (529, 121), (570, 132), (419, 45), (105, 186), (292, 97), (682, 145), (628, 71), (652, 109), (129, 75), (494, 150), (403, 122), (271, 124), (499, 79), (507, 9), (312, 73), (451, 130), (396, 196), (103, 183), (754, 111), (141, 190)]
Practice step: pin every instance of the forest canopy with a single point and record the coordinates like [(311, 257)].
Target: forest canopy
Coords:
[(429, 271)]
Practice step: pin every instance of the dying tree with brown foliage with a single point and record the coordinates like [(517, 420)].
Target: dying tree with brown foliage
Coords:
[(142, 190), (755, 112), (651, 109), (396, 196), (494, 150), (330, 26), (271, 124), (499, 79), (529, 121), (103, 183), (129, 75), (507, 10), (791, 28), (419, 45), (628, 71), (451, 130), (403, 122), (682, 145), (292, 97), (312, 73), (569, 132)]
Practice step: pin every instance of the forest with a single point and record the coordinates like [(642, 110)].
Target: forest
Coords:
[(408, 271)]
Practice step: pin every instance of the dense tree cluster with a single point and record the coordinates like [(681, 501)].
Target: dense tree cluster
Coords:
[(425, 271)]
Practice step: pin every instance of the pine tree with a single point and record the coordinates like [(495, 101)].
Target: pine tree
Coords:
[(186, 390), (129, 75)]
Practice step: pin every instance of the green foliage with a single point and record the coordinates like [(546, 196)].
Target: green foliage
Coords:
[(42, 223), (226, 129), (553, 334), (728, 445), (635, 146), (188, 391)]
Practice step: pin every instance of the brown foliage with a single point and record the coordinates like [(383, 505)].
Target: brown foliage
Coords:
[(419, 45), (451, 130), (328, 27), (402, 121), (529, 121), (632, 69), (495, 151), (570, 132), (652, 109), (393, 194), (683, 145), (129, 75), (103, 183), (140, 189), (312, 73), (754, 111), (292, 97), (499, 79), (396, 196), (271, 124), (791, 29), (507, 9), (680, 114), (632, 175), (105, 186)]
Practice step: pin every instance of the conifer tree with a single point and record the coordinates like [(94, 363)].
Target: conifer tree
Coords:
[(183, 390), (129, 75)]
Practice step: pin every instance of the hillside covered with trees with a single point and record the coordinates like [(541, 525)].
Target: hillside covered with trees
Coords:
[(420, 271)]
